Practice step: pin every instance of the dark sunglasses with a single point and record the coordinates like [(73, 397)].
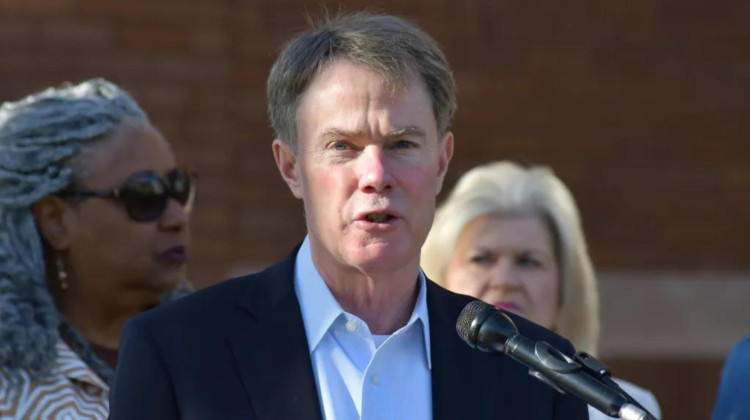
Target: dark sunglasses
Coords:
[(146, 195)]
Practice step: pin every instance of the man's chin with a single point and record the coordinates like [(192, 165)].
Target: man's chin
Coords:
[(380, 256)]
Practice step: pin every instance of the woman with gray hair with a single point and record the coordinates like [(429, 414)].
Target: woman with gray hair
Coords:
[(93, 230), (512, 237)]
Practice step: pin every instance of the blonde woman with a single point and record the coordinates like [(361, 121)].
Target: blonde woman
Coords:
[(512, 237)]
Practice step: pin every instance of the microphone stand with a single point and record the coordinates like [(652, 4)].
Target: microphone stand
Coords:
[(557, 370), (594, 367), (486, 328)]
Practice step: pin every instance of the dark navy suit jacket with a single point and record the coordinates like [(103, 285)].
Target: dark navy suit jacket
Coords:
[(238, 350)]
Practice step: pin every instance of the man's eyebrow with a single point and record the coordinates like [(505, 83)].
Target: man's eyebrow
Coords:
[(338, 133), (406, 131)]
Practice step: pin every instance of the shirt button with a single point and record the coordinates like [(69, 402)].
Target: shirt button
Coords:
[(376, 379), (351, 326)]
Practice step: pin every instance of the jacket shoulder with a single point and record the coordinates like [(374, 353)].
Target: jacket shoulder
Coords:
[(223, 307), (453, 303)]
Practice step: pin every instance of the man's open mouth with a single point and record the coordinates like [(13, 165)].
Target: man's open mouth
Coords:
[(378, 217)]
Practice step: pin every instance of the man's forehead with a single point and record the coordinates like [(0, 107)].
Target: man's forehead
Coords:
[(348, 100), (396, 81)]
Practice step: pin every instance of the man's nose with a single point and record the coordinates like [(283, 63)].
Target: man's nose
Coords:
[(374, 171)]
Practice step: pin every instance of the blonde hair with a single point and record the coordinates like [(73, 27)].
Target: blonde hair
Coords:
[(507, 188)]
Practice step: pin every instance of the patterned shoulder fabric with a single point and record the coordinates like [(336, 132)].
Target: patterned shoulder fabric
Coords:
[(73, 391)]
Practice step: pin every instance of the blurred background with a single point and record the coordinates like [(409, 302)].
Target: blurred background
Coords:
[(640, 106)]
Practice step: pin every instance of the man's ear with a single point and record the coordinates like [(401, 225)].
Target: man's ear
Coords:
[(446, 153), (286, 161), (49, 213)]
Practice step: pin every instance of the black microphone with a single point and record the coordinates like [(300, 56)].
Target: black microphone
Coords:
[(486, 328)]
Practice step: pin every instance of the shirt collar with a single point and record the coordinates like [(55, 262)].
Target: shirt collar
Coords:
[(320, 309), (70, 364)]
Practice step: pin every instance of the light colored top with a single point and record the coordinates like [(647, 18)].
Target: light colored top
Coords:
[(71, 392), (359, 375), (643, 396)]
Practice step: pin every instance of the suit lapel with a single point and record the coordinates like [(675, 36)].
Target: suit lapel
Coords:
[(465, 382), (272, 353)]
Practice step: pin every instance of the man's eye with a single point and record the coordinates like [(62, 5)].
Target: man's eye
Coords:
[(404, 144), (340, 146)]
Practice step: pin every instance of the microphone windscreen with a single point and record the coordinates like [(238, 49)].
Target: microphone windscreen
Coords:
[(467, 316)]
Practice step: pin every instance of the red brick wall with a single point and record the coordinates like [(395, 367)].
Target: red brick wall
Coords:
[(639, 105)]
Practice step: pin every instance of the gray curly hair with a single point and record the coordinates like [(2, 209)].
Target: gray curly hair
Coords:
[(40, 136)]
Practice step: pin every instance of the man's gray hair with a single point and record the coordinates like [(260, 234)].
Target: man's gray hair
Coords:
[(388, 45), (40, 136)]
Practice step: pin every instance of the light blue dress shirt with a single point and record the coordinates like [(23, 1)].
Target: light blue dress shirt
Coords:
[(360, 375)]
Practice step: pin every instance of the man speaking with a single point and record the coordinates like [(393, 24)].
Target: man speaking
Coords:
[(346, 326)]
